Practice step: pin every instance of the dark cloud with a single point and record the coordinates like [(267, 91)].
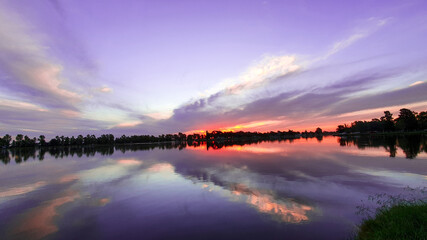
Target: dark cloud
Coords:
[(292, 105), (403, 96), (49, 123), (360, 81)]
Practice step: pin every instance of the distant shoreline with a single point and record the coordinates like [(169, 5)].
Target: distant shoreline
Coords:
[(232, 141), (381, 133), (216, 140), (408, 123), (411, 145)]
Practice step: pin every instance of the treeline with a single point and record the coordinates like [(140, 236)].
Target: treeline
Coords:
[(218, 135), (411, 145), (109, 139), (407, 121), (20, 155), (25, 141)]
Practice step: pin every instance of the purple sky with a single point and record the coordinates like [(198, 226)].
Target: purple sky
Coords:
[(151, 67)]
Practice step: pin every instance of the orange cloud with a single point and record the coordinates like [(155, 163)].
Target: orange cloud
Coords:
[(128, 124), (250, 126), (105, 89)]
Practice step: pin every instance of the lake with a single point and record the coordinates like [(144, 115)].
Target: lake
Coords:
[(293, 189)]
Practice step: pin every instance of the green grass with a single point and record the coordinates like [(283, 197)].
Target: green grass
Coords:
[(398, 222), (402, 216)]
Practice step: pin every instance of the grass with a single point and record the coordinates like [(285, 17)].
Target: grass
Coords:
[(395, 217), (398, 222)]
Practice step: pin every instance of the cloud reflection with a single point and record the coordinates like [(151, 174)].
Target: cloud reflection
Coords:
[(22, 190), (282, 209), (161, 167), (37, 223), (285, 210), (129, 162), (107, 173)]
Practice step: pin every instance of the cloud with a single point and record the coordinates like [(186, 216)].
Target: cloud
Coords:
[(31, 72), (50, 123), (416, 83), (338, 46), (289, 109), (289, 103), (271, 67), (105, 90), (278, 89), (21, 105), (259, 74), (128, 124), (373, 25), (71, 113), (412, 94), (281, 78), (159, 115)]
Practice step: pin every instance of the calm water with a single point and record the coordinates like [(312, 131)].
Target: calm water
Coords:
[(300, 189)]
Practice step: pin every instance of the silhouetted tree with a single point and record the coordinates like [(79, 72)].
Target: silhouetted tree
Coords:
[(18, 140), (406, 120), (6, 140), (387, 121), (42, 140), (422, 120), (79, 140)]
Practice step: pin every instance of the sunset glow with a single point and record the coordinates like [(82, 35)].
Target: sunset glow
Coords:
[(196, 66)]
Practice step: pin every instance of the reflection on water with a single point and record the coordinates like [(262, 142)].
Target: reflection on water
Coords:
[(39, 222), (285, 210), (411, 145), (265, 190), (21, 190)]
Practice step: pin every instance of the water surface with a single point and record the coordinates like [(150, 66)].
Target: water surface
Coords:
[(295, 189)]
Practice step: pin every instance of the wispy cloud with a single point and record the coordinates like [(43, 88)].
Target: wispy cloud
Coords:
[(277, 90), (289, 109), (372, 25), (259, 74), (31, 71), (269, 68), (234, 92), (21, 105)]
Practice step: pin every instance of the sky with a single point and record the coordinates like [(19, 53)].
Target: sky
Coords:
[(154, 67)]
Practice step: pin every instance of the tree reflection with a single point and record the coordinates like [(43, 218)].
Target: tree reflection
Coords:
[(4, 156), (411, 145)]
